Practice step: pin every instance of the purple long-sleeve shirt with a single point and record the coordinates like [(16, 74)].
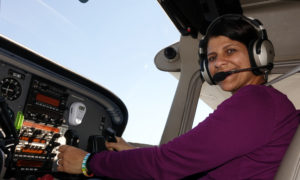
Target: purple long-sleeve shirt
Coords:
[(244, 138)]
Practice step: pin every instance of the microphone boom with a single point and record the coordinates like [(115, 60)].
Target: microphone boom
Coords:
[(220, 76)]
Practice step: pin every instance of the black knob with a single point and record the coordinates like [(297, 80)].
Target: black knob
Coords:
[(72, 138)]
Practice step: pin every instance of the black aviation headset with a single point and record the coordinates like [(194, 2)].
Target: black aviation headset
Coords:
[(261, 50)]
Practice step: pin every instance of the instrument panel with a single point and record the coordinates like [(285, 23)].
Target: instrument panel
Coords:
[(44, 106)]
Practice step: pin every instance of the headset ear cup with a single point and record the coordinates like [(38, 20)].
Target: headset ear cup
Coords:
[(253, 61), (264, 53), (205, 72)]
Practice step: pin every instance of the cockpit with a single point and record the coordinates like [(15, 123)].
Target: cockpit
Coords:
[(44, 105)]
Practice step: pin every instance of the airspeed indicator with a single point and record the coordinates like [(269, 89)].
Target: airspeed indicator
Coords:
[(10, 88)]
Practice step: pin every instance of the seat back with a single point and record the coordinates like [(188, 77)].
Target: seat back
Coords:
[(290, 166)]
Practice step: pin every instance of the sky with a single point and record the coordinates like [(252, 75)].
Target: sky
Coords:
[(112, 43)]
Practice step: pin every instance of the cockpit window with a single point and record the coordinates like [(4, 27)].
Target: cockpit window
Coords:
[(112, 43)]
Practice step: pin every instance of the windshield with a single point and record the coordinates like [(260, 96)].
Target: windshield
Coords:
[(112, 43)]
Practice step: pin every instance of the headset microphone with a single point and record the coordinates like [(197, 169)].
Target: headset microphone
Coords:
[(220, 76)]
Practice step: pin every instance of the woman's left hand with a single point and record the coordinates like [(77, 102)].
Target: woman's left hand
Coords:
[(70, 159), (120, 145)]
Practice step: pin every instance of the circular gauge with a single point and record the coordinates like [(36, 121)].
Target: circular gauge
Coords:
[(10, 88)]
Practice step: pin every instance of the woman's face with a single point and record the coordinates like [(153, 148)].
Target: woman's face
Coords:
[(225, 54)]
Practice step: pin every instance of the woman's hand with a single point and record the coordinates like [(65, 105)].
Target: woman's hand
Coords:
[(70, 159), (120, 145)]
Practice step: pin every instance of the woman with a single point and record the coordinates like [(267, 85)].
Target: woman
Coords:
[(244, 138)]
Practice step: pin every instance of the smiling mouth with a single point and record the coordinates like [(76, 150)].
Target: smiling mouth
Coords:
[(228, 70)]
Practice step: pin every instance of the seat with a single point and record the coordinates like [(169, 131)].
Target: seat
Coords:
[(290, 166)]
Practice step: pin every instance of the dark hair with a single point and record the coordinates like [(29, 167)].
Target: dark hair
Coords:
[(234, 28)]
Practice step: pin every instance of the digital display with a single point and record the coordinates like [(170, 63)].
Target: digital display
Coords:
[(29, 163), (47, 100)]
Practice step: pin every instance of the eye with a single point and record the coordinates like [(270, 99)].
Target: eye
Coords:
[(230, 51), (211, 58)]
